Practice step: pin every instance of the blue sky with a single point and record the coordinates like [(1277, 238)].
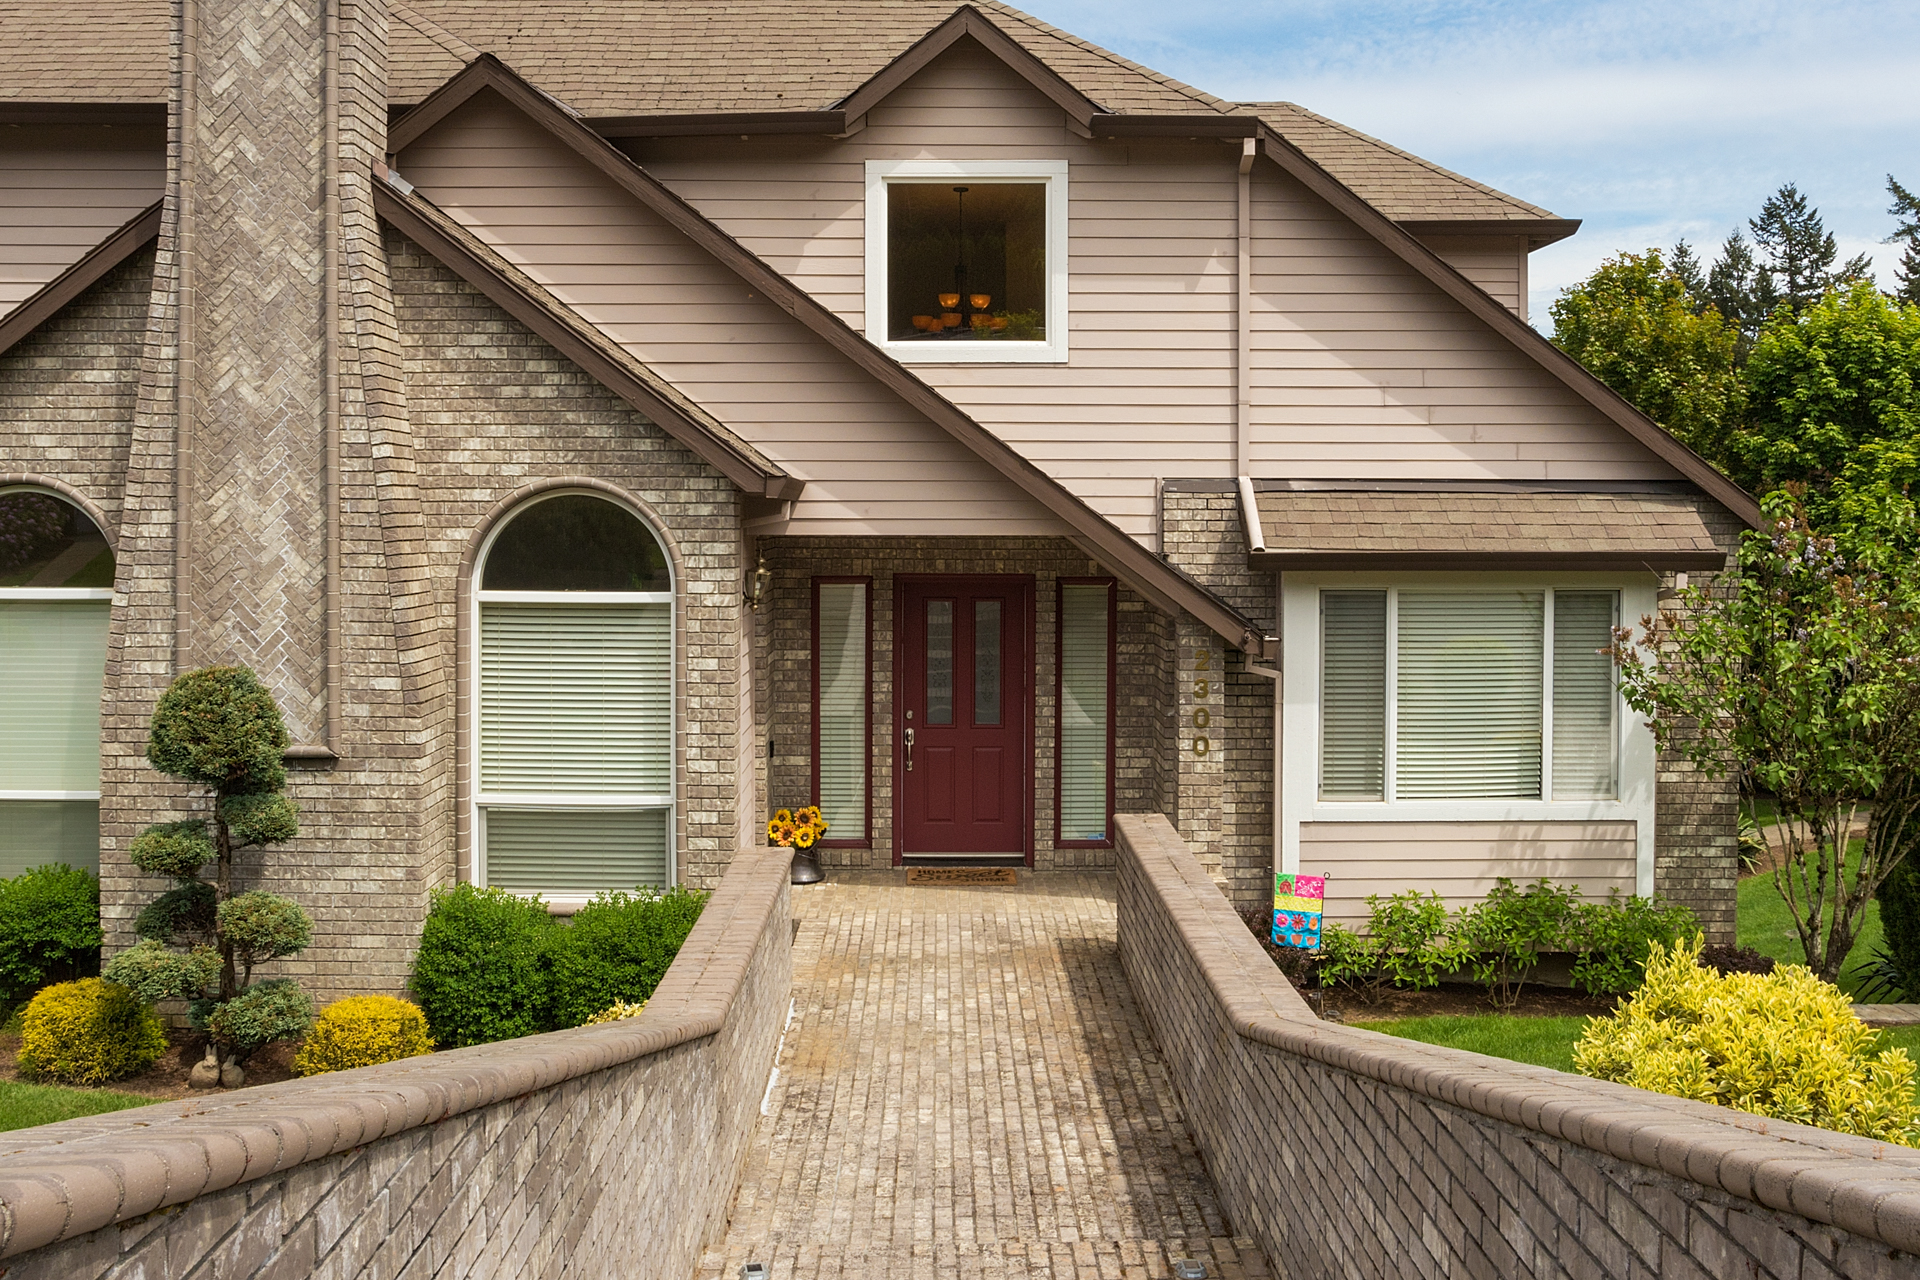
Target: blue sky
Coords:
[(1649, 121)]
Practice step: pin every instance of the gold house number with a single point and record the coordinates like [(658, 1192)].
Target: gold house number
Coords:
[(1202, 687)]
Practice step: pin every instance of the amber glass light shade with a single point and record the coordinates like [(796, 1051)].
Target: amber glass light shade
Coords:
[(951, 319), (979, 300), (982, 322), (924, 322), (948, 301)]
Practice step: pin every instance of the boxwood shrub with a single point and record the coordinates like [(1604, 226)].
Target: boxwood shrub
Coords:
[(49, 930), (493, 965)]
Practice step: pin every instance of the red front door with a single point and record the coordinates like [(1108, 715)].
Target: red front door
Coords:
[(963, 716)]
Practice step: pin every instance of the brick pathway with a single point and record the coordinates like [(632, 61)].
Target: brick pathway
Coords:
[(967, 1090)]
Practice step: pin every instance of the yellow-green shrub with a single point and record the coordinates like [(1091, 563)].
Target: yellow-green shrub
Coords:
[(617, 1011), (1781, 1044), (360, 1031), (89, 1032)]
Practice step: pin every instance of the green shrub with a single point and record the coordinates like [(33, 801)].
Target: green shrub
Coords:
[(1897, 964), (360, 1031), (89, 1032), (49, 929), (172, 848), (617, 949), (183, 913), (262, 926), (273, 1009), (155, 972), (1783, 1044), (1507, 932), (481, 972), (1612, 940)]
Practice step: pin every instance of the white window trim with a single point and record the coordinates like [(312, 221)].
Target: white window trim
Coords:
[(97, 595), (1051, 172), (565, 902), (1298, 720)]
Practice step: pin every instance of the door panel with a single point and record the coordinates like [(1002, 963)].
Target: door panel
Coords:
[(963, 728)]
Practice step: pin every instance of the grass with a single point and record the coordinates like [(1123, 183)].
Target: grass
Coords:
[(1763, 922), (1544, 1042), (25, 1105)]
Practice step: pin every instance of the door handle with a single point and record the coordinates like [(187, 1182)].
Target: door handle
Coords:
[(909, 751)]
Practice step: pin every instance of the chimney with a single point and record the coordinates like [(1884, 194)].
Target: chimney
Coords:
[(279, 110)]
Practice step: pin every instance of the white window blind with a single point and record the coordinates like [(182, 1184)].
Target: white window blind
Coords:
[(1353, 695), (841, 678), (1584, 700), (1470, 667), (36, 832), (579, 850), (1084, 728), (576, 699), (53, 657)]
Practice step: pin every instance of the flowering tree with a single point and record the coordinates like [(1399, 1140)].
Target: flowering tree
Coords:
[(1803, 680)]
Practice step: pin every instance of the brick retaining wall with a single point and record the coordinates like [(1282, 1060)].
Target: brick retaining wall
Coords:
[(601, 1150), (1344, 1152)]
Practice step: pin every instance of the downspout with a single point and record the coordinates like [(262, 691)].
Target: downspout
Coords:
[(1243, 325)]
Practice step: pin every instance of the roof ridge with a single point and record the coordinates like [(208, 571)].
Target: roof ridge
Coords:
[(1067, 37), (1422, 161)]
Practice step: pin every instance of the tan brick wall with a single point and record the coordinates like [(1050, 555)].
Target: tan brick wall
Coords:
[(1345, 1152), (611, 1150)]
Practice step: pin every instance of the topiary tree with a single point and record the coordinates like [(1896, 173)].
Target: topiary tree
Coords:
[(218, 728)]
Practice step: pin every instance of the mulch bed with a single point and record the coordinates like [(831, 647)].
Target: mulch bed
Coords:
[(167, 1078)]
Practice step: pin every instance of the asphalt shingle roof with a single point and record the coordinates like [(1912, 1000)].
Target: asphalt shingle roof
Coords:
[(661, 57)]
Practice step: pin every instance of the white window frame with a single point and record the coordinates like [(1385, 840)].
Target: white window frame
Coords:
[(94, 594), (1298, 719), (1051, 172), (565, 902)]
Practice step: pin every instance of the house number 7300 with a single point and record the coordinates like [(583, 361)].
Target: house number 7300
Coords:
[(1202, 688)]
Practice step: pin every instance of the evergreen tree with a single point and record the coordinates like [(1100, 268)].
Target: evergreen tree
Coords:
[(1691, 274), (1906, 206), (1799, 252), (1740, 291)]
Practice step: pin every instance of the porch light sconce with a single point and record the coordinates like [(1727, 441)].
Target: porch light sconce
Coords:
[(757, 586)]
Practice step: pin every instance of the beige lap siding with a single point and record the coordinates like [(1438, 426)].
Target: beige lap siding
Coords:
[(63, 189), (1461, 861)]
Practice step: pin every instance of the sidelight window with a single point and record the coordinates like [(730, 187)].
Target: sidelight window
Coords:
[(842, 723), (1086, 691), (1471, 694), (56, 592), (575, 695)]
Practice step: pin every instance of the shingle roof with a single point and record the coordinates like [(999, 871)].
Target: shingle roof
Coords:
[(1353, 529), (659, 57)]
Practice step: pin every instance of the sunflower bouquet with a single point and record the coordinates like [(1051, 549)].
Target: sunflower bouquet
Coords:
[(796, 828)]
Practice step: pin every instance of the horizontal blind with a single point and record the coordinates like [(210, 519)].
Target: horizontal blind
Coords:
[(1470, 666), (1084, 681), (53, 657), (36, 832), (575, 850), (842, 686), (1583, 694), (1353, 695), (576, 698)]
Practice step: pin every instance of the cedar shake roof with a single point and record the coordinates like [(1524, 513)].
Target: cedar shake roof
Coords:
[(1435, 527), (624, 58)]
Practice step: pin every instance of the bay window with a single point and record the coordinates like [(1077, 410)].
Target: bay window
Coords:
[(1467, 694)]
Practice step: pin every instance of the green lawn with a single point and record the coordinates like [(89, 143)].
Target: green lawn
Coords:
[(25, 1105), (1764, 923), (1545, 1042)]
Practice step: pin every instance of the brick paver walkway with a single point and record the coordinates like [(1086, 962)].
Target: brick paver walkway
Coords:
[(967, 1090)]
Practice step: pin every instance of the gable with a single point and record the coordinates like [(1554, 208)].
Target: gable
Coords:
[(871, 464)]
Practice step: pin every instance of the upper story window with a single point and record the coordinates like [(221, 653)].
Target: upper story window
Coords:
[(575, 701), (56, 592), (967, 260)]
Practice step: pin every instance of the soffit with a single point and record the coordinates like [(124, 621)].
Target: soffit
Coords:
[(1438, 528)]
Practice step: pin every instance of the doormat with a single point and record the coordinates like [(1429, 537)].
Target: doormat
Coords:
[(961, 875)]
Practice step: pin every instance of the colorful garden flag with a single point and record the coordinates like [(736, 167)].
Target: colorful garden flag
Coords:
[(1298, 902)]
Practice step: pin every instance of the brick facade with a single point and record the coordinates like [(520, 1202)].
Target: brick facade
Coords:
[(1349, 1153)]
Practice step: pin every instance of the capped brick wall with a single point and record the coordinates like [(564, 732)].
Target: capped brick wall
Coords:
[(786, 704), (1353, 1154), (609, 1150)]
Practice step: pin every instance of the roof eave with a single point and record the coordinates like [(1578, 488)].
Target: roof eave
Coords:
[(1664, 560)]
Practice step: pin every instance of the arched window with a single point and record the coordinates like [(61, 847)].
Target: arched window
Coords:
[(575, 701), (56, 588)]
